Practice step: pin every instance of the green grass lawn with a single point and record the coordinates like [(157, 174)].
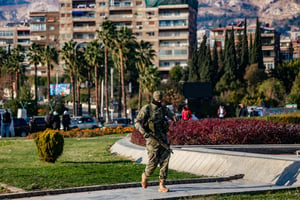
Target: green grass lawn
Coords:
[(84, 162), (87, 162)]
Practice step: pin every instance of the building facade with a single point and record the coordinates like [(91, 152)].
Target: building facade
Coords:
[(169, 25), (44, 28)]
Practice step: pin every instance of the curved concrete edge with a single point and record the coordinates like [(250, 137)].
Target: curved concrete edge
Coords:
[(260, 168)]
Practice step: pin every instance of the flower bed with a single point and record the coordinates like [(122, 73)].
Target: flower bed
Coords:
[(228, 131), (77, 133)]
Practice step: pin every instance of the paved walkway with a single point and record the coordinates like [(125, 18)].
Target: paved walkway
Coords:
[(178, 189)]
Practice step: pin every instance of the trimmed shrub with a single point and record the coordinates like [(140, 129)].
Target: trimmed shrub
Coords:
[(50, 145)]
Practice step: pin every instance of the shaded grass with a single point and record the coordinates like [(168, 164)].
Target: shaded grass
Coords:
[(84, 162), (268, 195)]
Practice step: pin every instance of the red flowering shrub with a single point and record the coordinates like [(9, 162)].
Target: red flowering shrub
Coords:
[(228, 131)]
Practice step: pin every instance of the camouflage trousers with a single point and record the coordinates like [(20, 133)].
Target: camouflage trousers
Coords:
[(157, 155)]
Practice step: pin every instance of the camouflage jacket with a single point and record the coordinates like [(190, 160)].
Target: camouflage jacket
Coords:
[(152, 119)]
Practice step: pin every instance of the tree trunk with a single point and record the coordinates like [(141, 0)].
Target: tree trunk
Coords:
[(140, 97), (78, 95), (123, 88), (48, 81), (97, 91), (89, 91), (107, 117), (73, 92), (17, 84), (35, 83), (119, 96)]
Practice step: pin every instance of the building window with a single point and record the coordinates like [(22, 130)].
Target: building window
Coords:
[(151, 33), (151, 23), (62, 26), (38, 19), (38, 27), (69, 15), (139, 14), (51, 28), (62, 5), (51, 19), (63, 15), (69, 25), (138, 34), (102, 4), (139, 3), (6, 33)]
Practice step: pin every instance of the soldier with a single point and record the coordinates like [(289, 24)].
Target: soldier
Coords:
[(151, 122)]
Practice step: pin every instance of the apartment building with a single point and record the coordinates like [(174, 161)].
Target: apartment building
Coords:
[(44, 28), (269, 37), (169, 25), (12, 35), (286, 50)]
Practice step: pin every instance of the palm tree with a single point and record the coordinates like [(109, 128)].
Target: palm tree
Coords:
[(149, 81), (13, 65), (144, 57), (68, 55), (49, 57), (94, 56), (106, 36), (35, 58), (123, 38)]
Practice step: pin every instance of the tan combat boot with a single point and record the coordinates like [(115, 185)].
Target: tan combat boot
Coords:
[(162, 187), (144, 180)]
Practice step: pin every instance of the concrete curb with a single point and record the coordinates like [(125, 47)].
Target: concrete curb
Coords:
[(115, 186)]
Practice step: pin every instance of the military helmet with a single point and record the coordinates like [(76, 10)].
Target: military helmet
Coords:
[(157, 95)]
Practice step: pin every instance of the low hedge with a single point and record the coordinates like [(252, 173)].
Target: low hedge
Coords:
[(78, 133), (228, 131)]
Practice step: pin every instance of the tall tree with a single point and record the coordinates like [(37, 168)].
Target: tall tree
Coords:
[(257, 47), (124, 37), (14, 67), (215, 65), (245, 50), (106, 36), (144, 58), (68, 55), (49, 57), (94, 57), (35, 58), (193, 66)]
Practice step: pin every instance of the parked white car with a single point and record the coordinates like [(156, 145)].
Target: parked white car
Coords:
[(84, 122)]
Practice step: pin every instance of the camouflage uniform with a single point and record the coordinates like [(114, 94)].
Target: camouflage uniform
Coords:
[(151, 119)]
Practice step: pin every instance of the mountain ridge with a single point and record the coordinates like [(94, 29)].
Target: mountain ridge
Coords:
[(284, 15)]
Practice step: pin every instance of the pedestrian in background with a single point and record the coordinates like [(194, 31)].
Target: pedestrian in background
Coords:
[(221, 112), (66, 120), (243, 111), (56, 121), (49, 120), (152, 124), (186, 113), (6, 120)]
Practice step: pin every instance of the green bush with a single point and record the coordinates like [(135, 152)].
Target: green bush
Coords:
[(50, 145)]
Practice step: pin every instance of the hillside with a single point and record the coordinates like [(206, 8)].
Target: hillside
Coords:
[(282, 14)]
